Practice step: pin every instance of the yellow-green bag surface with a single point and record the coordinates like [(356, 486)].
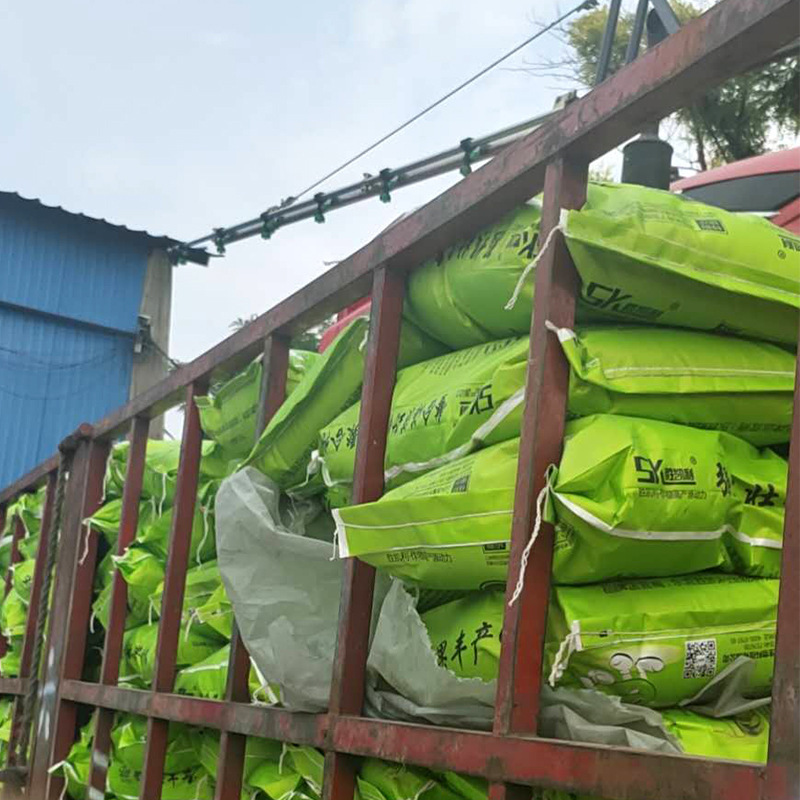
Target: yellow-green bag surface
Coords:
[(332, 384), (441, 410), (460, 297), (637, 498), (646, 255), (228, 415), (699, 379), (465, 634), (744, 737), (658, 642), (448, 529)]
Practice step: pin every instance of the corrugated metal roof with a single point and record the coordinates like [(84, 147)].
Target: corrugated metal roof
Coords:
[(196, 255)]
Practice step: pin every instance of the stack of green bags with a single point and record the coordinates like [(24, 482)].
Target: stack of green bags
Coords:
[(27, 509), (668, 501)]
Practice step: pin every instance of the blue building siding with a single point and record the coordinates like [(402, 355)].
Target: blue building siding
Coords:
[(70, 291)]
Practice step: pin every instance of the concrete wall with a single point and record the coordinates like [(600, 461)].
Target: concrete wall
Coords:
[(150, 366)]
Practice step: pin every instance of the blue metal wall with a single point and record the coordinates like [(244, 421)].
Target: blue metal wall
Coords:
[(70, 290)]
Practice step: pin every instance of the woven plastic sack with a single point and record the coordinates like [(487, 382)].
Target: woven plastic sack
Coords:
[(75, 767), (201, 583), (144, 573), (264, 767), (460, 297), (207, 679), (139, 653), (636, 497), (699, 379), (658, 642), (10, 662), (6, 710), (216, 613), (161, 470), (448, 529), (229, 413), (129, 739), (465, 634), (191, 784), (650, 256), (442, 409), (155, 536), (23, 579), (28, 547), (331, 385), (402, 781), (284, 587), (13, 615), (28, 509), (744, 737)]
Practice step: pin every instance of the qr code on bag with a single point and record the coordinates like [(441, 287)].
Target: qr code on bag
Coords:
[(701, 659)]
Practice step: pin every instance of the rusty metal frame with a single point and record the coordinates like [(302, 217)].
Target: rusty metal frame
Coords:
[(728, 39)]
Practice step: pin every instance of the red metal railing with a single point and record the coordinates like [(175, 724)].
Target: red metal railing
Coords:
[(732, 37)]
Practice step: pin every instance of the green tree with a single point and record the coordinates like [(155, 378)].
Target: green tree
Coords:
[(307, 340), (731, 122)]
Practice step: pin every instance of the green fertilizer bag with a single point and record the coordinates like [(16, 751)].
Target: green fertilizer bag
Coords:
[(155, 536), (264, 767), (207, 679), (658, 642), (460, 297), (139, 653), (441, 410), (107, 519), (75, 767), (331, 385), (651, 256), (28, 547), (700, 379), (216, 613), (160, 470), (744, 737), (10, 662), (129, 739), (191, 784), (201, 583), (228, 415), (448, 529), (144, 573), (465, 634), (402, 782), (637, 498), (23, 579), (13, 615)]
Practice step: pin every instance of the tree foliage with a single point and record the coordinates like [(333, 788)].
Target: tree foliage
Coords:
[(733, 121)]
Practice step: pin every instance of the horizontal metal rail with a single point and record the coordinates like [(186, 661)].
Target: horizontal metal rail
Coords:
[(726, 40)]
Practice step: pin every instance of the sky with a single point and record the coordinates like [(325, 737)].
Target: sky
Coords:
[(181, 116)]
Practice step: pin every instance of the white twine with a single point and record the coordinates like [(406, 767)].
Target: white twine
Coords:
[(163, 497), (86, 536), (527, 271), (284, 751), (205, 510), (429, 785), (526, 553), (568, 646)]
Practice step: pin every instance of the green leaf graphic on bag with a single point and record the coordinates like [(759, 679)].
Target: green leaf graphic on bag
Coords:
[(448, 529), (228, 415), (646, 255), (331, 385), (460, 297), (658, 642), (687, 377), (636, 497), (441, 410)]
